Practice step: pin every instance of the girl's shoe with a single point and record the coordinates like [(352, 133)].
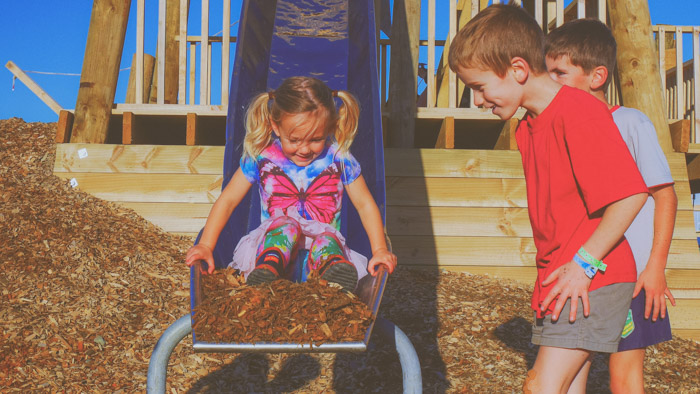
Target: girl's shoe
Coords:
[(340, 271), (267, 267)]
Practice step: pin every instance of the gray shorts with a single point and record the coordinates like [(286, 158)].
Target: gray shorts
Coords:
[(599, 332)]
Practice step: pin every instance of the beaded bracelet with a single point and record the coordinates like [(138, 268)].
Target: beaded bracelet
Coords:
[(592, 260), (587, 268)]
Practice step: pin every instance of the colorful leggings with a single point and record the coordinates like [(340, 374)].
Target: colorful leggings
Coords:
[(281, 244)]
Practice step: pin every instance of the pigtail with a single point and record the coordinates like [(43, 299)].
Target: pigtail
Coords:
[(348, 116), (257, 123)]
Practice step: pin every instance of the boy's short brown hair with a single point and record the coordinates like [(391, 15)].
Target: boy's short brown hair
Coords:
[(587, 42), (494, 37)]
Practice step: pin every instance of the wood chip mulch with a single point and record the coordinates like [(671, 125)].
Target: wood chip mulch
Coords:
[(88, 288), (281, 311)]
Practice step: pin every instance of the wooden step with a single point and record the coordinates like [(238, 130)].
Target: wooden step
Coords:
[(484, 221), (516, 251)]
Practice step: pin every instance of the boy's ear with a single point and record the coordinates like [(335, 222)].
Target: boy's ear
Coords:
[(598, 77), (520, 69)]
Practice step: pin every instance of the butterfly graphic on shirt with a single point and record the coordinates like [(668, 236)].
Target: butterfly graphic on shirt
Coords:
[(317, 202)]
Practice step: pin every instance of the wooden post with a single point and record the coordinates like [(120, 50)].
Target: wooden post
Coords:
[(191, 134), (640, 81), (63, 128), (128, 127), (680, 135), (446, 137), (98, 80), (506, 140), (468, 10), (148, 64), (404, 72), (172, 53), (167, 71)]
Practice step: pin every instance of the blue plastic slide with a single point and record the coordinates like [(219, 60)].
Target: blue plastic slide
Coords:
[(334, 41)]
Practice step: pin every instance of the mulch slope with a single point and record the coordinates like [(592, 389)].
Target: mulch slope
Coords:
[(88, 288)]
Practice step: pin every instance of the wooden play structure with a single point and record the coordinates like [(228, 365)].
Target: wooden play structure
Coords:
[(455, 192)]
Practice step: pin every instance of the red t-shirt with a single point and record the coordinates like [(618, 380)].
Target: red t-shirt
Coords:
[(575, 163)]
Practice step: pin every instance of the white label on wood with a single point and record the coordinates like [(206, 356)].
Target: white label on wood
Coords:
[(82, 153)]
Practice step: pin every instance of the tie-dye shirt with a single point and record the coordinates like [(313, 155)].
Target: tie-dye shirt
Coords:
[(315, 191)]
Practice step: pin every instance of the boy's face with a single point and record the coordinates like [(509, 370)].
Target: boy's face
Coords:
[(562, 71), (502, 95)]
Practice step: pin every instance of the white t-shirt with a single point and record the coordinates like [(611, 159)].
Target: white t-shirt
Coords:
[(640, 136)]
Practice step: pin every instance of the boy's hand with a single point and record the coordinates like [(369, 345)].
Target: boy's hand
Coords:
[(381, 256), (200, 252), (572, 283), (654, 284)]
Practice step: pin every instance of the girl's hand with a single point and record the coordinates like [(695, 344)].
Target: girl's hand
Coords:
[(382, 256), (200, 252)]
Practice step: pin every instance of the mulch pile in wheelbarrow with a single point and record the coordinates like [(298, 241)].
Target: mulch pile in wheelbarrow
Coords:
[(281, 311), (88, 287)]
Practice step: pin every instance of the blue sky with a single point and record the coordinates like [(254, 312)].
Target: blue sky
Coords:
[(50, 36)]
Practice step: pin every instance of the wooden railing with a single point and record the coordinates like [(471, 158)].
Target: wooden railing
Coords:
[(186, 82), (443, 92), (446, 93)]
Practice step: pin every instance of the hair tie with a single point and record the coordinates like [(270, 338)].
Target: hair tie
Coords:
[(334, 93), (271, 95)]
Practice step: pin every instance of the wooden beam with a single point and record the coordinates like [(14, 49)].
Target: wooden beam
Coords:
[(680, 135), (140, 81), (204, 56), (182, 52), (696, 80), (404, 72), (128, 126), (225, 53), (446, 137), (637, 62), (191, 135), (506, 140), (159, 188), (64, 126), (694, 167), (98, 80), (160, 54), (458, 163), (442, 80), (172, 66), (518, 251), (39, 92), (148, 66), (142, 159)]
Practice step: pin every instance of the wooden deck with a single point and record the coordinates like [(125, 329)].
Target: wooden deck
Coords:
[(454, 209)]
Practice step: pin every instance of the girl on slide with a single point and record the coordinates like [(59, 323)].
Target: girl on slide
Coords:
[(297, 149)]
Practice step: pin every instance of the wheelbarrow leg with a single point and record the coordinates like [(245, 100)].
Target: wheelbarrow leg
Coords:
[(410, 366), (158, 366)]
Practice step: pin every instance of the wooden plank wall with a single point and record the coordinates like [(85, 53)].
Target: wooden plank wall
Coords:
[(454, 209)]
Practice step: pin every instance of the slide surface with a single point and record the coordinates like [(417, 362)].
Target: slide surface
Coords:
[(334, 41)]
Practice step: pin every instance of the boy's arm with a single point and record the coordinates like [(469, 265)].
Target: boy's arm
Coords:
[(229, 199), (572, 282), (653, 278), (371, 218)]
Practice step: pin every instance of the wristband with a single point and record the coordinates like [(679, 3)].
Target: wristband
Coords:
[(588, 269), (599, 264)]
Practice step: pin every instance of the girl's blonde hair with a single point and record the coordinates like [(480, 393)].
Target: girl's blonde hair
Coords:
[(297, 95)]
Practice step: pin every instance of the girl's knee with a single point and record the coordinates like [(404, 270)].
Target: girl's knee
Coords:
[(284, 221)]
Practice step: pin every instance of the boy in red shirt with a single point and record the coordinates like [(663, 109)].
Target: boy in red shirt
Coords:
[(583, 191)]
